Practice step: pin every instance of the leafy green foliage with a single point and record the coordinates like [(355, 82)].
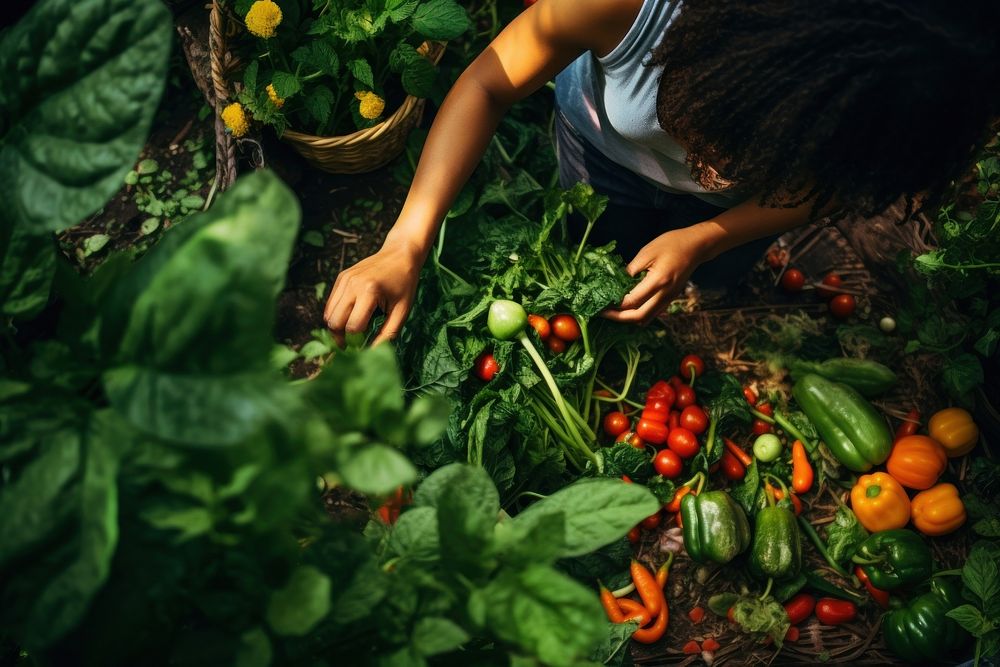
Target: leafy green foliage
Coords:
[(981, 581), (762, 616), (844, 535)]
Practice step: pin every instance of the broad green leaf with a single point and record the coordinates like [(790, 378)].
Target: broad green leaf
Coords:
[(79, 86), (27, 265), (427, 419), (417, 72), (430, 490), (319, 103), (433, 635), (375, 469), (254, 650), (415, 534), (971, 619), (981, 576), (614, 647), (285, 84), (302, 603), (597, 511), (400, 10), (362, 71), (541, 539), (360, 390), (545, 613), (440, 19), (467, 513), (189, 522)]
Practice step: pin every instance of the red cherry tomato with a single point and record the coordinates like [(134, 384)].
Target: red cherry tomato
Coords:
[(541, 326), (800, 607), (833, 280), (792, 280), (831, 611), (565, 327), (651, 521), (750, 395), (694, 419), (760, 427), (766, 409), (633, 534), (657, 410), (556, 345), (674, 420), (676, 381), (486, 366), (732, 467), (631, 438), (615, 423), (667, 463), (692, 367), (842, 306), (662, 391), (652, 431), (685, 397), (683, 442)]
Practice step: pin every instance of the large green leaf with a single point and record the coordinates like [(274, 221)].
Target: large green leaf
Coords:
[(80, 82), (440, 19), (189, 327), (301, 604), (27, 265)]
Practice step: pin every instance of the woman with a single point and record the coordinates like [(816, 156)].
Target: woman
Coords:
[(738, 120)]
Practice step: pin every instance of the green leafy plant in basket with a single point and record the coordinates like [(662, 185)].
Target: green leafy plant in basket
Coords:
[(328, 67)]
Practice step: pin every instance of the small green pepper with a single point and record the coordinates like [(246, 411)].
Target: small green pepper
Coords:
[(894, 559), (920, 631), (715, 527), (777, 546)]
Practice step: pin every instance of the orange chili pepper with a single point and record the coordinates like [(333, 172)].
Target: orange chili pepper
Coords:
[(675, 503), (610, 604), (802, 472), (653, 634), (633, 611), (917, 461), (880, 503), (645, 584), (738, 452), (938, 511)]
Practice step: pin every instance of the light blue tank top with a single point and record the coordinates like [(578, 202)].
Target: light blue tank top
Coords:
[(611, 102)]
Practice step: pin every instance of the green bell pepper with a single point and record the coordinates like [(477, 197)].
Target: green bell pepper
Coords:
[(853, 430), (715, 527), (777, 546), (870, 378), (920, 631), (895, 559)]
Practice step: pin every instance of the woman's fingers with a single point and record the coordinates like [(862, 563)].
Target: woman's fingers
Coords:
[(339, 315), (393, 322), (640, 315), (647, 287), (365, 305)]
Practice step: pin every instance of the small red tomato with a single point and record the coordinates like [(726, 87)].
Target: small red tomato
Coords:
[(633, 535), (652, 431), (760, 427), (776, 257), (615, 423), (683, 442), (766, 409), (692, 367), (800, 607), (842, 306), (750, 395), (831, 611), (662, 391), (556, 345), (676, 381), (792, 634), (732, 467), (792, 280), (657, 410), (831, 280), (685, 397), (486, 366), (668, 464), (674, 420), (565, 327), (694, 419), (651, 521), (631, 438), (541, 326)]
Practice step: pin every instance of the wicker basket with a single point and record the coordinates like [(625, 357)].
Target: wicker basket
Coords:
[(355, 153)]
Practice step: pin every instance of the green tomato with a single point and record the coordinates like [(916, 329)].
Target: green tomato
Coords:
[(506, 319), (767, 447)]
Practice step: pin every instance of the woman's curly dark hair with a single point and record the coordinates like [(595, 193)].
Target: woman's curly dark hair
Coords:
[(853, 103)]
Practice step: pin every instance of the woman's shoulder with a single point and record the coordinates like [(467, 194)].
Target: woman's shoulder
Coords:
[(596, 25)]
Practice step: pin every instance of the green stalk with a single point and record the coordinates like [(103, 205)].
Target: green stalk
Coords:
[(782, 421), (821, 547), (767, 591), (583, 241)]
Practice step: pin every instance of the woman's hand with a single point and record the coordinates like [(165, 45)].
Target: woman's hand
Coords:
[(668, 260), (385, 280)]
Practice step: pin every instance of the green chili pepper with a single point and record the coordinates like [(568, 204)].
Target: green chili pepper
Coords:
[(895, 559)]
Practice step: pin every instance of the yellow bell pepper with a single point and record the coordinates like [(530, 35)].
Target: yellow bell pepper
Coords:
[(955, 430), (880, 503), (938, 510)]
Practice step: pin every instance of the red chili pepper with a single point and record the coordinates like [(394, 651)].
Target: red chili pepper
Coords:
[(738, 452), (750, 395), (760, 427), (800, 607), (909, 426), (880, 596), (831, 611), (766, 409)]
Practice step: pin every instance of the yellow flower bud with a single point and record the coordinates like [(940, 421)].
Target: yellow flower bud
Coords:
[(371, 106), (264, 16), (273, 96), (235, 119)]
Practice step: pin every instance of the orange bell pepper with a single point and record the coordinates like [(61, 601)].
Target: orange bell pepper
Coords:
[(917, 461), (938, 511), (880, 503), (955, 430)]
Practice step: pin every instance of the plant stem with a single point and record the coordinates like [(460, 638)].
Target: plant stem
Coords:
[(767, 591), (818, 542)]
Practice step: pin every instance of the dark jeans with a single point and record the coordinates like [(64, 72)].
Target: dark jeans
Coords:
[(638, 211)]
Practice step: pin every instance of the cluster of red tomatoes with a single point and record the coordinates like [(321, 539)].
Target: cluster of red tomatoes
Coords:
[(841, 304), (557, 332), (671, 417)]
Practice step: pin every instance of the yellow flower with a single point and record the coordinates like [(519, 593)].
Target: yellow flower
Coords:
[(371, 106), (264, 16), (273, 96), (235, 119)]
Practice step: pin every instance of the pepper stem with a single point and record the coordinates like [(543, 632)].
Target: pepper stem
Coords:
[(767, 591), (873, 491), (867, 561)]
